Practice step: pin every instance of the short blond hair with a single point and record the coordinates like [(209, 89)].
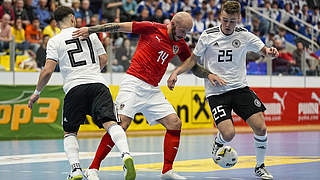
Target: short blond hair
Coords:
[(231, 7)]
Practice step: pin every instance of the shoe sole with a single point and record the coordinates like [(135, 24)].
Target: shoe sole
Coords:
[(80, 177), (131, 171), (263, 178)]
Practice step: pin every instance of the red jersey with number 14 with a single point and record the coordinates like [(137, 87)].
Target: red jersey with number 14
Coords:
[(154, 51)]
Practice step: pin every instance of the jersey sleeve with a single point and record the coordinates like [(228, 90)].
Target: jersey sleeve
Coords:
[(201, 45), (254, 42), (52, 51), (142, 27), (185, 53), (97, 45)]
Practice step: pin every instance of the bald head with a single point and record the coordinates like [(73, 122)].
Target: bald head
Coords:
[(183, 20), (179, 26)]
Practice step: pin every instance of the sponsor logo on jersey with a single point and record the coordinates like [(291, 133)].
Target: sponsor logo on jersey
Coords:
[(236, 43), (216, 44), (121, 106), (158, 38), (175, 49), (257, 103)]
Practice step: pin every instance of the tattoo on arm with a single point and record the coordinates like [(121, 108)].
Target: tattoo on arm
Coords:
[(109, 27), (200, 71)]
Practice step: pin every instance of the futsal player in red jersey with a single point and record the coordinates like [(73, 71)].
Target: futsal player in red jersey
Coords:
[(139, 90)]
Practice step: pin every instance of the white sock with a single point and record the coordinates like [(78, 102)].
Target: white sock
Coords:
[(71, 148), (119, 138), (220, 139), (260, 143)]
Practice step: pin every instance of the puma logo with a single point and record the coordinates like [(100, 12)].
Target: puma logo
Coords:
[(276, 96), (315, 97), (158, 38)]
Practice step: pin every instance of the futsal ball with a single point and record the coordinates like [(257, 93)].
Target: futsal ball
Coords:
[(226, 157)]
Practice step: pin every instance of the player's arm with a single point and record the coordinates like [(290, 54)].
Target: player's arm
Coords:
[(103, 60), (44, 78), (269, 52), (200, 72), (108, 27)]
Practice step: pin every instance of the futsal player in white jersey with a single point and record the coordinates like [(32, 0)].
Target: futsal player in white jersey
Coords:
[(222, 50), (86, 91)]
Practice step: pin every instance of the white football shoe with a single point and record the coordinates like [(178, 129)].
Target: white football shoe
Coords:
[(171, 174)]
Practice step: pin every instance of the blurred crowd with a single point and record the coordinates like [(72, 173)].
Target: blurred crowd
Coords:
[(31, 24)]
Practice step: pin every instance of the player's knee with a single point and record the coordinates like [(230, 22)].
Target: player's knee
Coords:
[(125, 122), (229, 135), (175, 123), (261, 131)]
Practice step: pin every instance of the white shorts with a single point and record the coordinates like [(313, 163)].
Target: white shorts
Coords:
[(135, 95)]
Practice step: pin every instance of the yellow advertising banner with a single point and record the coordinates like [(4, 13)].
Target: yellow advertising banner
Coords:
[(188, 101)]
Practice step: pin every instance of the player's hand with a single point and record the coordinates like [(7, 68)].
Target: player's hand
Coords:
[(172, 81), (213, 78), (273, 52), (32, 100), (81, 33)]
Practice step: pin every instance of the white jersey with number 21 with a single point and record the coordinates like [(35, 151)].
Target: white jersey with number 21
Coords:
[(78, 59)]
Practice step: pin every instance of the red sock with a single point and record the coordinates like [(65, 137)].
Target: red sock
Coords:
[(170, 148), (105, 146)]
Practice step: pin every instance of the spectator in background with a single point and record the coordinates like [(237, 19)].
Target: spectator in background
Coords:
[(211, 21), (158, 16), (51, 29), (165, 6), (43, 13), (52, 7), (306, 14), (124, 54), (86, 12), (30, 10), (76, 8), (281, 64), (79, 22), (19, 35), (33, 34), (212, 6), (297, 57), (146, 4), (144, 16), (41, 52), (175, 7), (315, 16), (5, 32), (198, 26), (110, 10), (67, 3), (20, 12), (6, 8), (281, 36), (129, 10)]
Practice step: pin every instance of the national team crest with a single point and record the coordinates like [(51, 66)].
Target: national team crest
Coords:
[(175, 49), (236, 43)]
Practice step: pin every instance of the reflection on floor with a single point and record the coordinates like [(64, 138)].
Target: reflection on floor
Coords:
[(291, 156)]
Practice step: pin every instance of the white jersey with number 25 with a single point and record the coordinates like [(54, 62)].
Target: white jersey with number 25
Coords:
[(225, 55)]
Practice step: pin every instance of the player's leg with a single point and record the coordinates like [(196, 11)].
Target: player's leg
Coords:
[(106, 144), (71, 148), (74, 109), (105, 116), (257, 123), (220, 106), (158, 110), (249, 107), (170, 145)]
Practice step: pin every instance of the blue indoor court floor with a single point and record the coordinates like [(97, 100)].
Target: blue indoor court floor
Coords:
[(291, 156)]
